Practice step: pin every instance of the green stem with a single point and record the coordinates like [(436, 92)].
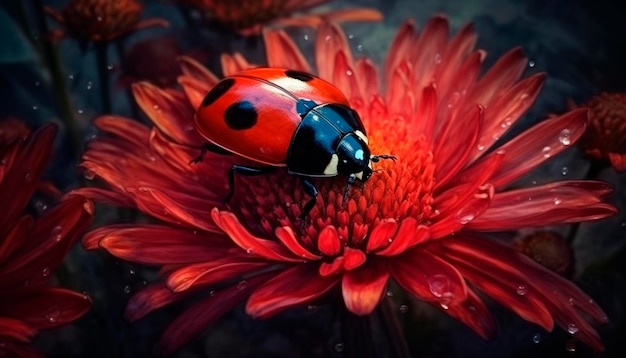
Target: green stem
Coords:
[(393, 329), (51, 58), (357, 335), (103, 75)]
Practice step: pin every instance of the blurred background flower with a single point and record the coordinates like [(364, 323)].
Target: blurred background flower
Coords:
[(100, 20), (248, 17), (32, 247), (422, 222)]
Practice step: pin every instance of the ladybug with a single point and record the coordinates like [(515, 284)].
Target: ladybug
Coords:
[(285, 118)]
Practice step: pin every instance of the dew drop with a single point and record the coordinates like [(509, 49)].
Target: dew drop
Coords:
[(389, 294), (437, 58), (41, 205), (531, 63), (45, 272), (564, 171), (110, 67), (557, 201), (521, 290), (57, 233), (53, 315), (572, 328), (565, 137), (242, 284), (480, 147), (444, 305), (80, 111), (212, 293), (99, 18), (127, 289), (89, 85), (439, 285), (465, 215), (339, 347), (536, 338), (37, 84), (28, 177), (571, 301), (35, 107), (359, 48), (404, 309), (306, 37), (132, 272), (311, 308), (89, 174), (570, 346), (250, 251), (546, 151), (70, 76)]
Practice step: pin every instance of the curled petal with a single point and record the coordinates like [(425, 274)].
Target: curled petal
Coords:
[(286, 235), (382, 235), (212, 272), (48, 307), (364, 288), (254, 245), (409, 234), (294, 286), (151, 298), (328, 241)]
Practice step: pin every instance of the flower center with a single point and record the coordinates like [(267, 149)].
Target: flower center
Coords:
[(396, 190)]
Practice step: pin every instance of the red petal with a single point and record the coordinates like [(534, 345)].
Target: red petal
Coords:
[(268, 249), (43, 308), (474, 313), (21, 180), (618, 161), (209, 273), (294, 286), (150, 298), (382, 235), (428, 278), (367, 76), (129, 130), (159, 244), (329, 41), (234, 63), (364, 288), (286, 235), (409, 234), (426, 115), (201, 315), (180, 207), (353, 258), (539, 143), (554, 203), (15, 237), (459, 48), (194, 89), (504, 112), (16, 329), (345, 79), (328, 241), (402, 44), (282, 51), (502, 75), (332, 268), (427, 52), (195, 70)]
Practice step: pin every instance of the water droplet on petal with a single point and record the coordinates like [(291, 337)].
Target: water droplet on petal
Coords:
[(546, 151), (565, 137), (339, 347), (250, 251), (465, 215), (480, 147), (45, 272), (89, 174), (536, 338), (557, 201), (437, 58), (571, 301), (439, 285), (53, 315), (572, 328), (521, 290), (57, 233)]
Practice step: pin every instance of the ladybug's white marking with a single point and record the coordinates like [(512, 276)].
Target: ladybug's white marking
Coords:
[(331, 168), (361, 135)]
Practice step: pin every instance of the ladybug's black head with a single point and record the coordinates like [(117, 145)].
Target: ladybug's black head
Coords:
[(354, 156)]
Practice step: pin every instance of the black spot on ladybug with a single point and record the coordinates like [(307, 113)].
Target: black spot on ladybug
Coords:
[(302, 76), (240, 115), (217, 91), (303, 106)]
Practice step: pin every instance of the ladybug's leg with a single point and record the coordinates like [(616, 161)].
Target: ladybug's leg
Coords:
[(351, 180), (211, 148), (310, 189), (243, 170)]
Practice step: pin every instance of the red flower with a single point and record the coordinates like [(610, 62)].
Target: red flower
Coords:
[(248, 17), (100, 20), (32, 248), (422, 221), (605, 138)]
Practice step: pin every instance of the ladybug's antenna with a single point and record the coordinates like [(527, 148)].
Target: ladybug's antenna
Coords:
[(377, 158)]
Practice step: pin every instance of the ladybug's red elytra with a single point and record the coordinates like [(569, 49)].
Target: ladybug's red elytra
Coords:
[(284, 118)]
